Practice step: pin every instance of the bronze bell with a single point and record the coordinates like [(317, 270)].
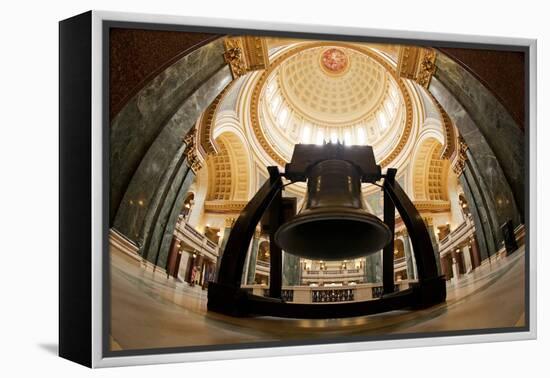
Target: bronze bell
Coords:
[(333, 223)]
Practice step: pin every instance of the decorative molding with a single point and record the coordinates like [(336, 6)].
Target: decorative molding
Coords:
[(224, 206), (245, 54), (416, 63), (191, 150), (460, 163), (258, 88), (450, 135), (207, 145), (432, 206)]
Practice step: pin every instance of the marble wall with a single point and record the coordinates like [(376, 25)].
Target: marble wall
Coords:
[(252, 259), (503, 136), (291, 269), (373, 268), (149, 171), (139, 123), (485, 177)]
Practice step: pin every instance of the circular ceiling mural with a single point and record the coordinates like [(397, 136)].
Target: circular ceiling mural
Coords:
[(334, 61), (332, 85)]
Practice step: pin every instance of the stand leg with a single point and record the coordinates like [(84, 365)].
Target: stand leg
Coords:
[(275, 253), (234, 255), (387, 256)]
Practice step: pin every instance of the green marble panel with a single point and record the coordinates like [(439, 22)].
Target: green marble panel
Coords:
[(500, 132), (138, 124)]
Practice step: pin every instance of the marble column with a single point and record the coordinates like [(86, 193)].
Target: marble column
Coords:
[(373, 268), (468, 266), (411, 266), (501, 134), (456, 272), (483, 230), (291, 269), (166, 226), (435, 246), (227, 230), (475, 253), (253, 258)]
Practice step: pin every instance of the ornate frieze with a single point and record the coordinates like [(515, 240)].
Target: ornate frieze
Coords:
[(432, 206), (245, 54), (224, 206), (416, 63)]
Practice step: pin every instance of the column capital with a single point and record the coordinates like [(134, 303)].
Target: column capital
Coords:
[(229, 222)]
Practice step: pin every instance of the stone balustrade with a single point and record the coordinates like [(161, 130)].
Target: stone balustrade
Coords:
[(329, 293), (463, 233), (196, 240)]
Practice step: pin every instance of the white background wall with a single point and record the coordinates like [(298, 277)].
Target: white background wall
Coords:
[(28, 156)]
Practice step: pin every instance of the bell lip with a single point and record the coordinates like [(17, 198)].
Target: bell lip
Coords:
[(336, 213)]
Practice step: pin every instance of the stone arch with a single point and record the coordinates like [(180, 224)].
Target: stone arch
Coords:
[(230, 170), (430, 171)]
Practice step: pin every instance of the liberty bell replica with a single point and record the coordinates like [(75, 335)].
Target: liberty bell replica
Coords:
[(334, 223)]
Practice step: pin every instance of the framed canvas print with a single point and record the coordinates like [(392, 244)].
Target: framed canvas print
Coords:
[(232, 189)]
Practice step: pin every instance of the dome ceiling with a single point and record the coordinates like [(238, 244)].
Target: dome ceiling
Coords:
[(332, 85), (324, 92)]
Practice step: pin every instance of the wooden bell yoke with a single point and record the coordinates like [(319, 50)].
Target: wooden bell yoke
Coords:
[(335, 223)]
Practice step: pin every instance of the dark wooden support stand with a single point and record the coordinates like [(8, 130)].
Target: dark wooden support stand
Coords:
[(226, 296)]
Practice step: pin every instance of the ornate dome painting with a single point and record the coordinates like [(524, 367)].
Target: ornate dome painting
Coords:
[(334, 61)]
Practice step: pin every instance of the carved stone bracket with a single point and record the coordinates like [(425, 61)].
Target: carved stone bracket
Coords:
[(416, 63), (191, 150), (460, 163), (245, 54)]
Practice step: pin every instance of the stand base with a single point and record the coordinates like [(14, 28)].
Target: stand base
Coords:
[(232, 301)]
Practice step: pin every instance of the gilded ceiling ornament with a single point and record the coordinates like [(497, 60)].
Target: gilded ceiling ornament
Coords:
[(245, 54), (416, 63)]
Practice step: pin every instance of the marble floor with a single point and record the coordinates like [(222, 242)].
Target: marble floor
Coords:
[(150, 311)]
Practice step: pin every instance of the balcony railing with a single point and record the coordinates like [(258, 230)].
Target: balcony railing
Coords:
[(195, 239), (458, 236), (329, 293), (333, 272)]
